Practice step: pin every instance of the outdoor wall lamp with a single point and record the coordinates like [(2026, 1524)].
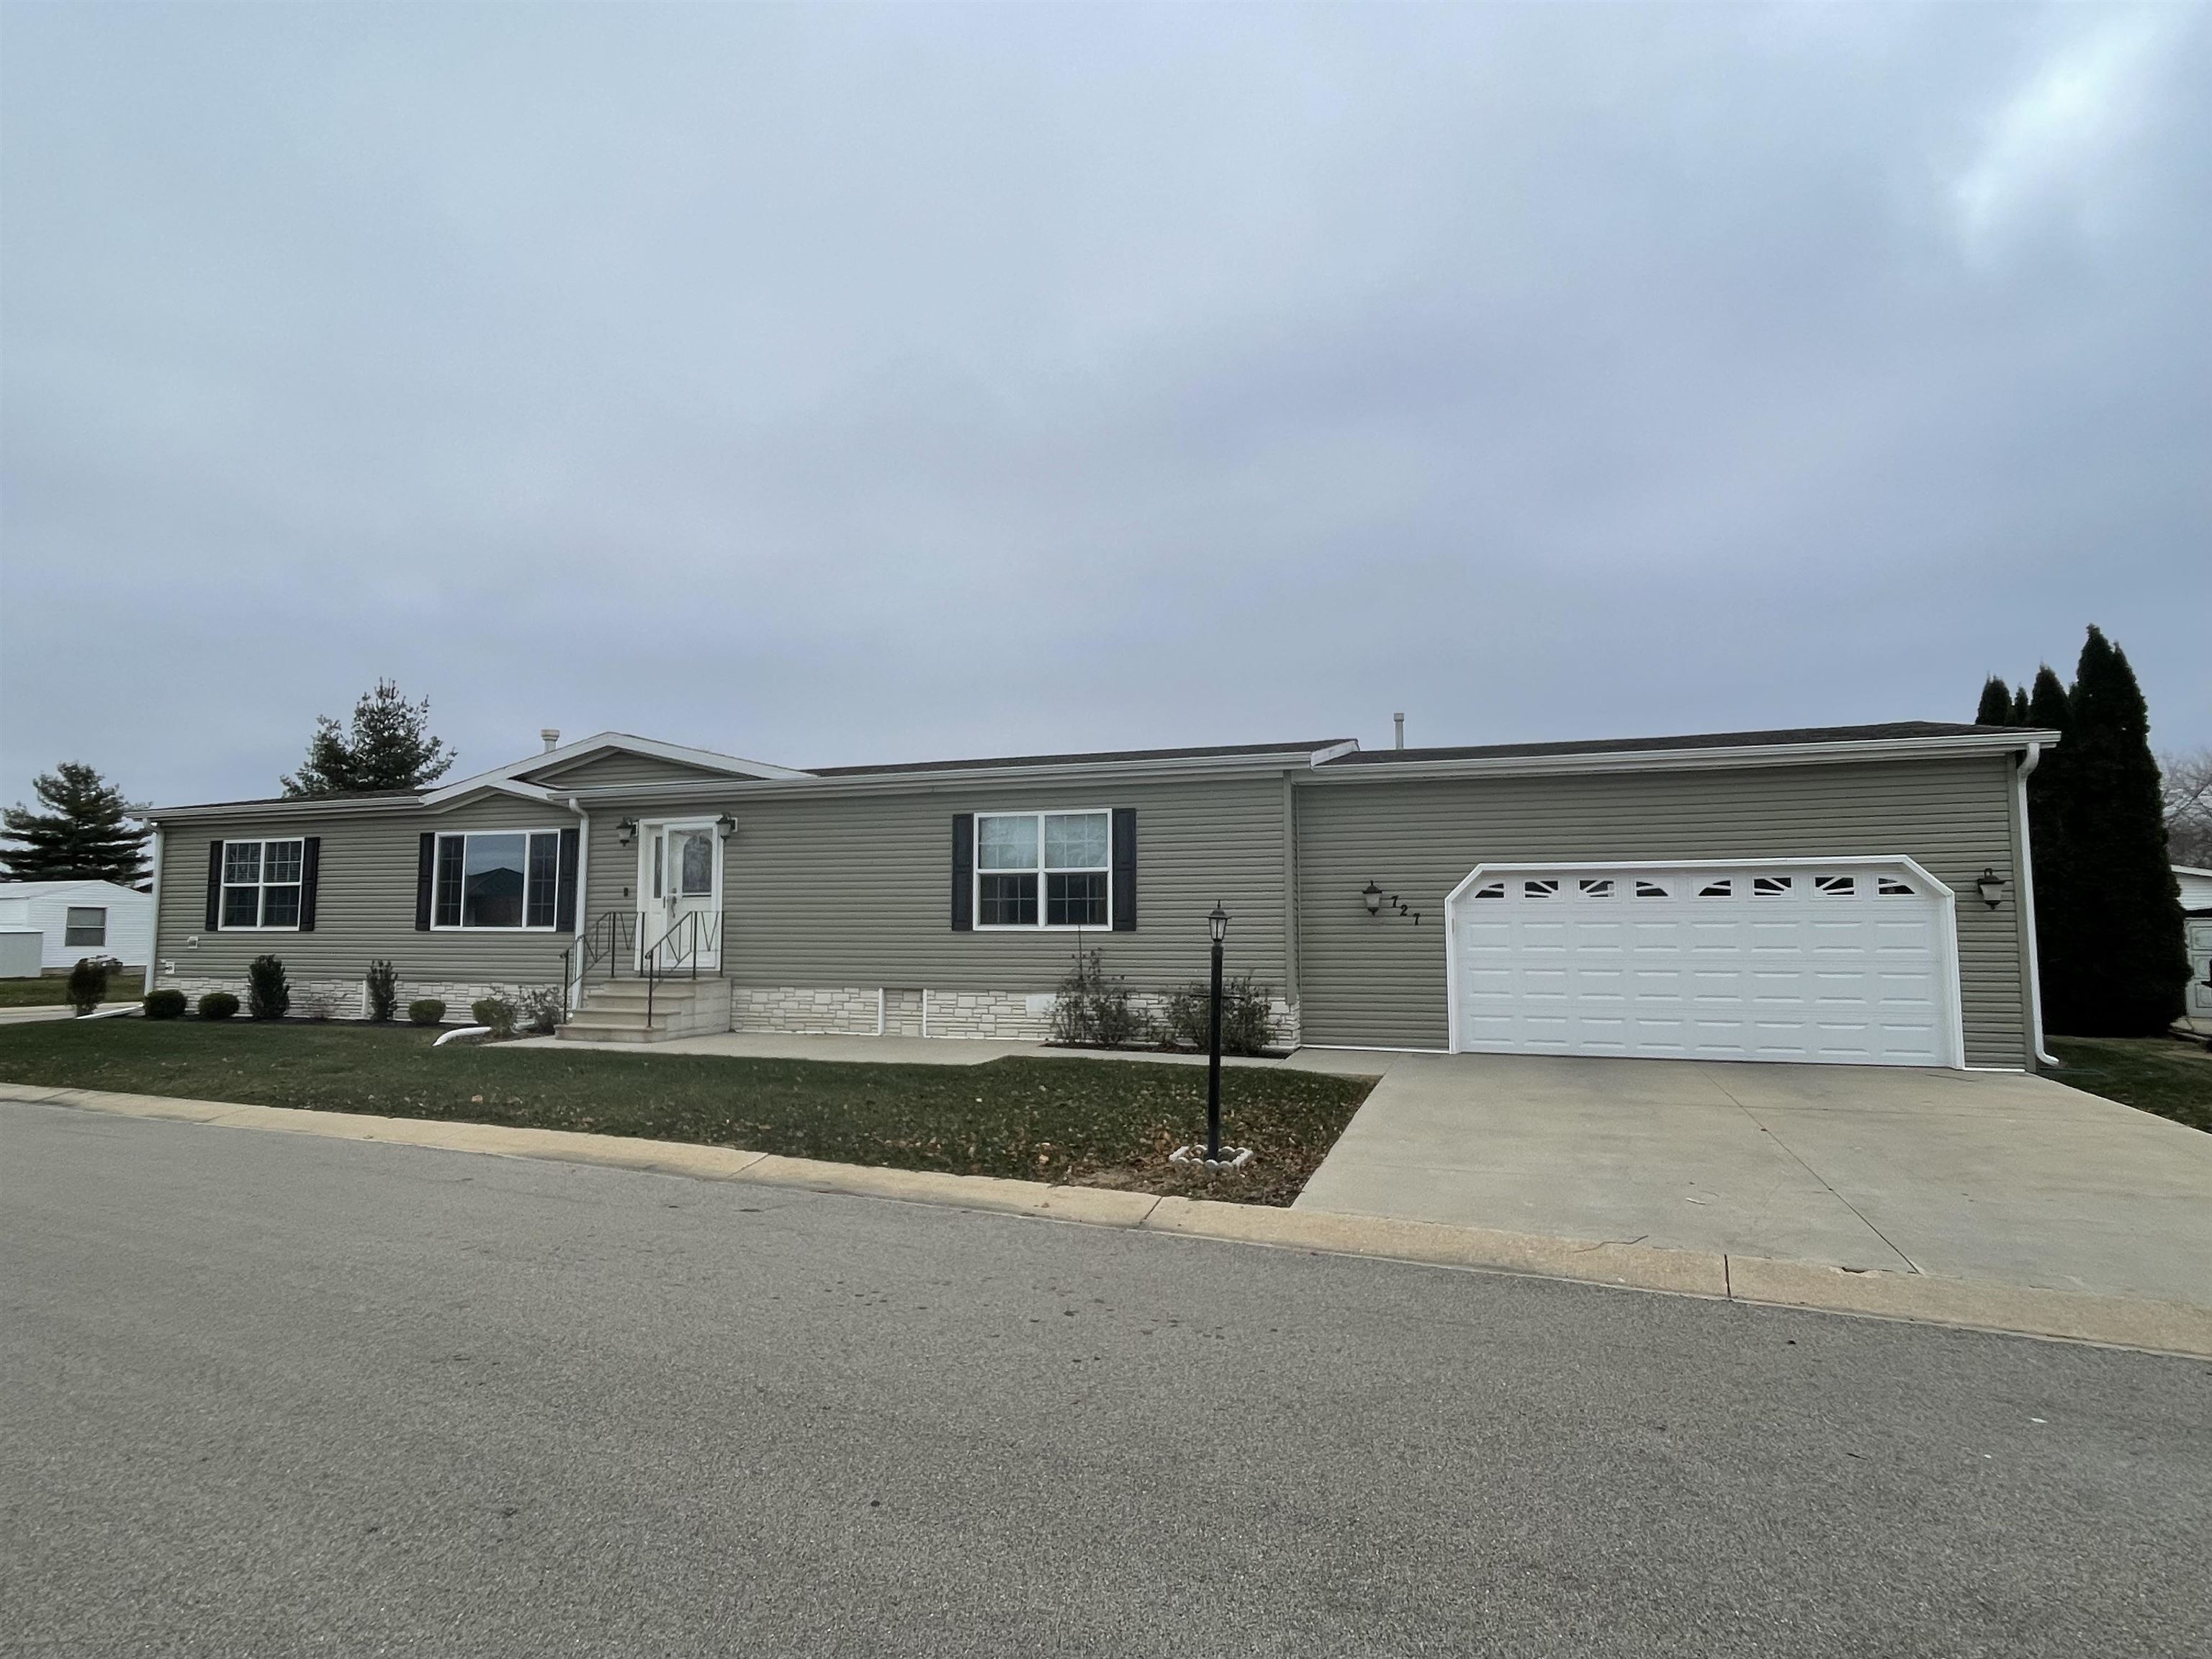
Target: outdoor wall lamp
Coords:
[(727, 825), (626, 831), (1991, 889), (1373, 895), (1377, 899)]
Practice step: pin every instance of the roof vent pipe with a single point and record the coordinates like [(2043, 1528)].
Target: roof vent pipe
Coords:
[(1399, 719), (550, 735)]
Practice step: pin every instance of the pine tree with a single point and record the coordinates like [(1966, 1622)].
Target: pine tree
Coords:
[(2128, 961), (2019, 707), (388, 747), (85, 834), (2057, 897), (1996, 703)]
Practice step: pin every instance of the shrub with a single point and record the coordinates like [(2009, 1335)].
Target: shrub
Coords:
[(1091, 1007), (165, 1005), (88, 984), (218, 1005), (316, 1002), (268, 994), (541, 1011), (1248, 1015), (425, 1010), (496, 1014), (382, 981)]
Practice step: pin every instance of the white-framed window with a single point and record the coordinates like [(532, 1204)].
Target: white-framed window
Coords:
[(1044, 869), (497, 879), (86, 926), (261, 884)]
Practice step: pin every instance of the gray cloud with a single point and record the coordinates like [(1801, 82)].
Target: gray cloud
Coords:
[(846, 384)]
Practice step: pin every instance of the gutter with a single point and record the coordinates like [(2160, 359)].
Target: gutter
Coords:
[(1683, 760), (2026, 884)]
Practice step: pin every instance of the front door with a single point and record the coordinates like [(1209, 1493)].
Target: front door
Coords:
[(683, 883)]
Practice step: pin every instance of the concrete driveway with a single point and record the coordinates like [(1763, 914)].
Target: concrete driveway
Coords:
[(1960, 1175)]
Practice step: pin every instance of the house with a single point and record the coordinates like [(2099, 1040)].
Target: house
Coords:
[(71, 920), (2196, 887), (1849, 895)]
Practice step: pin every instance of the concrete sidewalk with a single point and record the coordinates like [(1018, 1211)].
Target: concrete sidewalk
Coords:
[(1991, 1176)]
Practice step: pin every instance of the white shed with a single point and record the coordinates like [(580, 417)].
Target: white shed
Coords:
[(78, 919)]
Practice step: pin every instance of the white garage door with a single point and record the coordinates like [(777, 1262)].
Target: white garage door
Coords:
[(1844, 963)]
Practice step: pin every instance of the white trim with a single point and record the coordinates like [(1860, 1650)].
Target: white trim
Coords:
[(610, 742), (976, 924), (655, 905), (260, 884), (1947, 919), (880, 1011), (583, 902), (925, 1011), (1369, 1048), (437, 860), (2004, 741), (154, 932), (2024, 886), (1322, 756)]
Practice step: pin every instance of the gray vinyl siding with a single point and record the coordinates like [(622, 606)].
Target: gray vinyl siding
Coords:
[(856, 889), (365, 901), (1380, 980), (620, 771)]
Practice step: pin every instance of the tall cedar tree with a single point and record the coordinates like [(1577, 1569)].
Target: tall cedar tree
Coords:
[(389, 747), (1995, 706), (2058, 902), (2130, 961), (85, 834)]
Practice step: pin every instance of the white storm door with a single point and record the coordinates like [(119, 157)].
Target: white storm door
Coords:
[(683, 881)]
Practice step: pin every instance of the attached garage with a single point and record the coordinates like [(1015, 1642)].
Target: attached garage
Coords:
[(1820, 961)]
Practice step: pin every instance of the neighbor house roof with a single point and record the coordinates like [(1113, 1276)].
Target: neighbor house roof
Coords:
[(1221, 751)]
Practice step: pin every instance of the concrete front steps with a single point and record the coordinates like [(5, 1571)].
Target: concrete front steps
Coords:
[(614, 1010)]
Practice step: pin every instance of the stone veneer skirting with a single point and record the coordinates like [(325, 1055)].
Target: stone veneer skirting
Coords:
[(348, 998), (908, 1011)]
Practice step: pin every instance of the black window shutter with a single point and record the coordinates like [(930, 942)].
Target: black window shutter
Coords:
[(425, 861), (311, 866), (1124, 869), (964, 872), (215, 887), (564, 903)]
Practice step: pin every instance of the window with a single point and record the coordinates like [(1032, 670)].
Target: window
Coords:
[(1490, 889), (1771, 886), (1835, 886), (1064, 859), (508, 878), (1648, 889), (1547, 888), (1720, 889), (1597, 887), (261, 883), (1891, 887), (85, 925)]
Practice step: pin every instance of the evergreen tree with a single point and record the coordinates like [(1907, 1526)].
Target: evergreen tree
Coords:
[(2057, 897), (1996, 708), (2129, 960), (2019, 707), (84, 834), (389, 746)]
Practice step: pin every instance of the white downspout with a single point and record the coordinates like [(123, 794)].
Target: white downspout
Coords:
[(2027, 903), (573, 992), (154, 938)]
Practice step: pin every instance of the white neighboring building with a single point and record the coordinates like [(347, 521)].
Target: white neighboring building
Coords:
[(2196, 887), (75, 919), (2196, 905)]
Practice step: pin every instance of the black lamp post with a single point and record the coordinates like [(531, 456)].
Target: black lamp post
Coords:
[(1220, 922)]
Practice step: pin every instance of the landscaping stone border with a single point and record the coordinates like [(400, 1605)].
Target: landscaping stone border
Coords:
[(1976, 1304)]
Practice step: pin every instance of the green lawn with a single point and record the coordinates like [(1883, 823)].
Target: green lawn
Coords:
[(1095, 1122), (52, 990), (2158, 1074)]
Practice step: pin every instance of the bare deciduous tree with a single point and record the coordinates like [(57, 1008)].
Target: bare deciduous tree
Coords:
[(2185, 782)]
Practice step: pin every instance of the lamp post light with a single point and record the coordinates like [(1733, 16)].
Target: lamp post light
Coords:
[(1218, 922)]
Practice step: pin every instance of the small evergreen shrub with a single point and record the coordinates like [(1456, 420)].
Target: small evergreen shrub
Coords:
[(496, 1014), (1248, 1015), (1095, 1009), (541, 1012), (382, 981), (268, 993), (87, 985), (218, 1005), (425, 1010), (165, 1004)]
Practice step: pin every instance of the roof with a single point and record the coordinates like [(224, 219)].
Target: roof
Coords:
[(1787, 737), (21, 889), (1090, 757)]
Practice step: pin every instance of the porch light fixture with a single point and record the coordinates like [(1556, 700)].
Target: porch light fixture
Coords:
[(1373, 895), (626, 831), (1991, 889), (1218, 922), (727, 825)]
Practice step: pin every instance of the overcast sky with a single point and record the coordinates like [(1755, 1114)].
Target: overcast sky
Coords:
[(849, 385)]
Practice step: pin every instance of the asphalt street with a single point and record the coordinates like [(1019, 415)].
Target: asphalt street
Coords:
[(268, 1393)]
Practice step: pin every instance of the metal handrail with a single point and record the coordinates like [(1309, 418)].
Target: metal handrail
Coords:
[(683, 944), (608, 937)]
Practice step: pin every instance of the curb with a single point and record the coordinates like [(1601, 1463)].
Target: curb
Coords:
[(1974, 1305)]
